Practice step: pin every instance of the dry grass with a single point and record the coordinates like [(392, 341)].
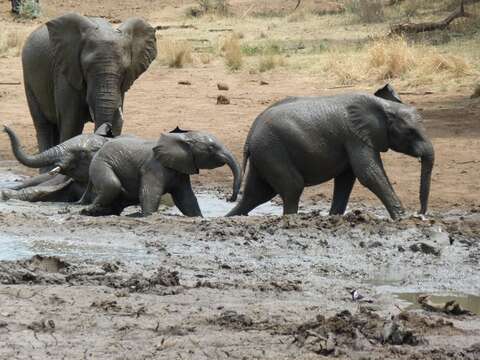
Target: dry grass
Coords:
[(390, 58), (11, 42), (269, 62), (175, 53), (345, 67), (233, 53)]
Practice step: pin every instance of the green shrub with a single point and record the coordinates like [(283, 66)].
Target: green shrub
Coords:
[(29, 9)]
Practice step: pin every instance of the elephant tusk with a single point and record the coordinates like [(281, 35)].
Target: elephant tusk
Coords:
[(56, 170), (120, 111)]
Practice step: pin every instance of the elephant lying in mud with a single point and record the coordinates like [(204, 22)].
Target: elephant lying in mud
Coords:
[(77, 69), (306, 141), (129, 171), (70, 159)]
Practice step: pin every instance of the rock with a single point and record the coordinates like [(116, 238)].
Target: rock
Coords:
[(222, 100), (425, 248), (222, 86), (263, 82), (184, 82)]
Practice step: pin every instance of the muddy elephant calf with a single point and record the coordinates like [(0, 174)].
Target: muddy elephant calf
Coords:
[(129, 171), (70, 159)]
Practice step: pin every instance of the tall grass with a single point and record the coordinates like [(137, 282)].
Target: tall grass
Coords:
[(393, 58), (233, 53), (175, 53), (11, 42)]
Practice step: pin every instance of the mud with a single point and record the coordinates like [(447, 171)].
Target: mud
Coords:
[(266, 286)]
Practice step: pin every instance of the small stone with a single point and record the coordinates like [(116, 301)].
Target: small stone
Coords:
[(184, 82), (263, 82), (425, 248), (222, 87), (222, 100)]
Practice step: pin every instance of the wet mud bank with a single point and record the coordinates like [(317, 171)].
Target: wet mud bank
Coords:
[(262, 286)]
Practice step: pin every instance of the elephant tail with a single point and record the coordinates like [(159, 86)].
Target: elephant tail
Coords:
[(246, 155)]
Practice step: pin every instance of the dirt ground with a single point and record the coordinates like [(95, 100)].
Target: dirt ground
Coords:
[(246, 288)]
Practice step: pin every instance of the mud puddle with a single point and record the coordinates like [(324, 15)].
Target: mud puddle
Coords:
[(213, 206), (466, 301)]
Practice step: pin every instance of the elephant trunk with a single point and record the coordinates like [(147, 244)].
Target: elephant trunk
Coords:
[(427, 159), (236, 171), (108, 103), (47, 158)]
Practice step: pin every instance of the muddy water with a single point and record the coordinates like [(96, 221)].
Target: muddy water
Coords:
[(467, 301), (367, 251), (16, 247)]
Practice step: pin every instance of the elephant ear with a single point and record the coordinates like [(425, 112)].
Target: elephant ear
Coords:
[(143, 45), (369, 121), (388, 93), (174, 152), (66, 33)]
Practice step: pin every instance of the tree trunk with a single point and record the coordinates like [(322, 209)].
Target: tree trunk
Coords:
[(411, 28)]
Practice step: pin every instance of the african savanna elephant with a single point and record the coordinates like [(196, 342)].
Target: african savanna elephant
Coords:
[(77, 69), (129, 171), (310, 140), (71, 158)]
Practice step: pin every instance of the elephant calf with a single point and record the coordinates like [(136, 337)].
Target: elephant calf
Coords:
[(306, 141), (129, 171), (71, 158)]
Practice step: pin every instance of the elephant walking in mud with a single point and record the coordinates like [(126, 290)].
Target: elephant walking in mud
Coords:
[(77, 69), (70, 159), (129, 171), (306, 141)]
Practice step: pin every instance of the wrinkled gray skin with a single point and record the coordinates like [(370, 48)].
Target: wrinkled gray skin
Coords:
[(77, 69), (71, 159), (129, 171), (306, 141)]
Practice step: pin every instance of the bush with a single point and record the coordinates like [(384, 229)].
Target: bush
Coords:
[(11, 42), (233, 53), (269, 62), (390, 58), (175, 54), (367, 11), (204, 7), (29, 9)]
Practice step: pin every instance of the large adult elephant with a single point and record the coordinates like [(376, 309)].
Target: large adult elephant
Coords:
[(77, 69), (305, 141)]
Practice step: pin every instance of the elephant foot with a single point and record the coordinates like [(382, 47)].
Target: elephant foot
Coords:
[(96, 210)]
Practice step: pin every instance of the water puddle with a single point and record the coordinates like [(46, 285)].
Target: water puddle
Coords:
[(466, 301), (213, 206), (7, 177), (13, 247)]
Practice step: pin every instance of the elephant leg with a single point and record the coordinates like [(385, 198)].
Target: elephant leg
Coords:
[(87, 195), (61, 192), (288, 183), (368, 168), (47, 132), (343, 185), (72, 111), (185, 199), (32, 181), (108, 189), (151, 191), (256, 192)]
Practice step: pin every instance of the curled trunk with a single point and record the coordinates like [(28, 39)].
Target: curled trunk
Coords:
[(236, 171), (44, 159), (427, 159)]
